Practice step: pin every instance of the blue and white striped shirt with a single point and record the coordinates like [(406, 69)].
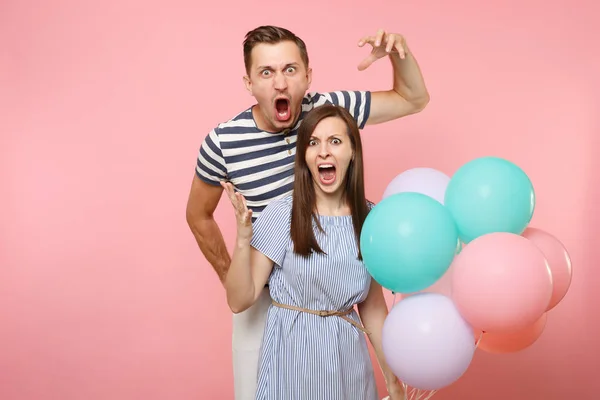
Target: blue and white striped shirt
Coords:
[(260, 164)]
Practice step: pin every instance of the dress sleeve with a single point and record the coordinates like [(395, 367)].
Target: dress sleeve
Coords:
[(370, 204), (271, 230)]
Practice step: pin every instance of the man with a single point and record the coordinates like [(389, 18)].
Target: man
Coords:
[(255, 150)]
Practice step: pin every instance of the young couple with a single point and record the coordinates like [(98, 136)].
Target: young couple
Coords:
[(292, 168)]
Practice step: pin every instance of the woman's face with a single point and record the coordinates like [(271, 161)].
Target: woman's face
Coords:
[(328, 155)]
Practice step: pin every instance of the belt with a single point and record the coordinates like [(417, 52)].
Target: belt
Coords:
[(324, 313)]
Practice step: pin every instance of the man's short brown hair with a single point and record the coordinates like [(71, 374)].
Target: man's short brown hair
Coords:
[(272, 35)]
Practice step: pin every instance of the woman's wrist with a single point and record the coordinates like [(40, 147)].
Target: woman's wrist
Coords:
[(389, 377), (242, 242)]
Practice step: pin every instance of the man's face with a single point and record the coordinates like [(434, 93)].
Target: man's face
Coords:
[(278, 80)]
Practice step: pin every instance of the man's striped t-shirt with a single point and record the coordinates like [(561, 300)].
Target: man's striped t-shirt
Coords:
[(260, 164)]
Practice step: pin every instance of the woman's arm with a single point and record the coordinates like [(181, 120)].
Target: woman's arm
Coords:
[(247, 276), (373, 312), (249, 269)]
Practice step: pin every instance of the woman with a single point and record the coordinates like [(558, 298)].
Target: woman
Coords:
[(305, 246)]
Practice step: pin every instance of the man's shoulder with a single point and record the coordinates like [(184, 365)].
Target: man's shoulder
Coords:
[(314, 97), (239, 123), (337, 97)]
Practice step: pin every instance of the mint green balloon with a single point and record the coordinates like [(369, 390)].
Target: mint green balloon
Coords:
[(408, 241), (487, 195)]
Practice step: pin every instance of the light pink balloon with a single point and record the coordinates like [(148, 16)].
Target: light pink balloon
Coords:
[(558, 260), (501, 282)]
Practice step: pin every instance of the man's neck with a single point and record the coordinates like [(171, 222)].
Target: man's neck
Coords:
[(263, 125)]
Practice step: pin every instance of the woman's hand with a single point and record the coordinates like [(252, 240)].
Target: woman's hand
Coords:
[(395, 388), (243, 216)]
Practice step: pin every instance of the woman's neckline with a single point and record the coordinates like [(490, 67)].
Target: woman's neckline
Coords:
[(335, 219)]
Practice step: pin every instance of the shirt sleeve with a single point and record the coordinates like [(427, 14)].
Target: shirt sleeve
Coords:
[(210, 165), (271, 230), (358, 103)]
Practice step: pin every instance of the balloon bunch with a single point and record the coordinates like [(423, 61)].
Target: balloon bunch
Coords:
[(471, 271)]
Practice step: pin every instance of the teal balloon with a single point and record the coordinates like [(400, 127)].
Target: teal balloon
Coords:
[(408, 241), (487, 195)]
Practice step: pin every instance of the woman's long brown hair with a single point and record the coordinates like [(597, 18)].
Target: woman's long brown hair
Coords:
[(304, 197)]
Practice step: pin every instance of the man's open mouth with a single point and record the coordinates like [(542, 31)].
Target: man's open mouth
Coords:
[(282, 109)]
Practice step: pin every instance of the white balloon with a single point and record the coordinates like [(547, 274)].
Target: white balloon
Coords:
[(427, 181)]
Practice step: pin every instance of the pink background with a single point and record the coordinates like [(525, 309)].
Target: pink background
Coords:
[(103, 291)]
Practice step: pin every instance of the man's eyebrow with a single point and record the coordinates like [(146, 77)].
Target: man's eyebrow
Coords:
[(291, 64)]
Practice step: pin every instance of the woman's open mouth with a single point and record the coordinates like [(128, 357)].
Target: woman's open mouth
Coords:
[(327, 174)]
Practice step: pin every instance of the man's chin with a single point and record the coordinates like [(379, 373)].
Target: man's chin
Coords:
[(281, 125)]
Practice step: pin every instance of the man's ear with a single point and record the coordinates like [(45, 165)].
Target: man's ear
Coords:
[(309, 76), (248, 84)]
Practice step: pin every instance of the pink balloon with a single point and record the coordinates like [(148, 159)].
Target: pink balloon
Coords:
[(501, 282), (558, 260), (513, 342)]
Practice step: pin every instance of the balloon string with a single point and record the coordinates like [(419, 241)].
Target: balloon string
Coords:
[(479, 339), (417, 394)]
